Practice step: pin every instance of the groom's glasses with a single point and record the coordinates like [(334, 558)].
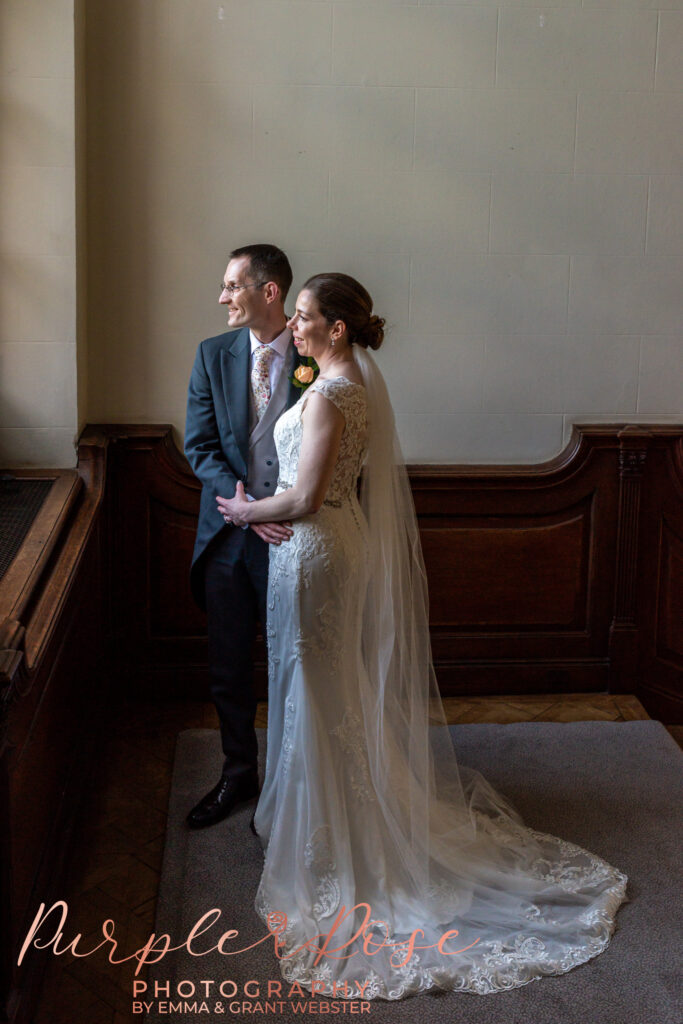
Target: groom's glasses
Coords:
[(232, 288)]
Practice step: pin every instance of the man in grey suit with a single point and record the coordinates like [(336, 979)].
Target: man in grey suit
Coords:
[(241, 383)]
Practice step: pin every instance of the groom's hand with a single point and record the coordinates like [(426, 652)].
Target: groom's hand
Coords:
[(272, 533)]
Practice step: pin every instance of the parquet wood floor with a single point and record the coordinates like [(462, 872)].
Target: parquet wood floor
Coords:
[(119, 841)]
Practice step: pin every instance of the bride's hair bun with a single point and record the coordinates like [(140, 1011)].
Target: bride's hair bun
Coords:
[(372, 335), (341, 297)]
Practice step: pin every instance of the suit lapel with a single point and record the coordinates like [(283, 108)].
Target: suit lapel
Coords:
[(235, 366)]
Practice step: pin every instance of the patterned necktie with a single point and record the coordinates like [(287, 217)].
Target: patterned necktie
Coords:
[(260, 378)]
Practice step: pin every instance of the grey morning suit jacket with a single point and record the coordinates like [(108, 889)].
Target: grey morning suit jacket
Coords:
[(218, 443)]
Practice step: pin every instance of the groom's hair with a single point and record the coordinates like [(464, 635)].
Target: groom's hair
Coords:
[(267, 263)]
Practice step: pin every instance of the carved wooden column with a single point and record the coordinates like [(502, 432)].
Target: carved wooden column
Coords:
[(623, 645)]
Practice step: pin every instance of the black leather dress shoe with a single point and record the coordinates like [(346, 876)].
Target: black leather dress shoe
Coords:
[(218, 804)]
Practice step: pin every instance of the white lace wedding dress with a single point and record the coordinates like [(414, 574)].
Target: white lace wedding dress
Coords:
[(341, 828)]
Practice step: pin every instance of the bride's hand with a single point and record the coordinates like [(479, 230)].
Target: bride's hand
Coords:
[(273, 533), (233, 509)]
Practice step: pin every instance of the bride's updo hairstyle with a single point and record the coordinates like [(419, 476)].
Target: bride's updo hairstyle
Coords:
[(341, 297)]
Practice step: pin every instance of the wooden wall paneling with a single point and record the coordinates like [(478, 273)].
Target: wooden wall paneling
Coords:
[(6, 950), (669, 634), (534, 570), (633, 449), (160, 633), (659, 593), (520, 578), (47, 767), (47, 743), (20, 582), (52, 681)]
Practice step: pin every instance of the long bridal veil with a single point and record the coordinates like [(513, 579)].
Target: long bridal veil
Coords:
[(455, 853), (410, 751)]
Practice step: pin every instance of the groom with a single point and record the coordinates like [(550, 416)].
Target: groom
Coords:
[(240, 384)]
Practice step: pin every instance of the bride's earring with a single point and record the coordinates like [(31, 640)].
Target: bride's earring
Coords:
[(332, 343)]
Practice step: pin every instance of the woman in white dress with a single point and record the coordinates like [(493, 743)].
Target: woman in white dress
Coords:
[(389, 869)]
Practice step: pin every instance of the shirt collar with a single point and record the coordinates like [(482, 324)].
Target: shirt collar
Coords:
[(280, 344)]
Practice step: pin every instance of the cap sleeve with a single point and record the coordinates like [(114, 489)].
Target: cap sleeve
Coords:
[(334, 390), (344, 395)]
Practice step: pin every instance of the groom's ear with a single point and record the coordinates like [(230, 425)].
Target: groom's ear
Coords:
[(272, 292)]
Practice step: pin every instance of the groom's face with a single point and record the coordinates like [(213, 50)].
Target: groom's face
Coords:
[(247, 304)]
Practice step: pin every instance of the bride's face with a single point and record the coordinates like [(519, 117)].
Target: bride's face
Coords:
[(311, 332)]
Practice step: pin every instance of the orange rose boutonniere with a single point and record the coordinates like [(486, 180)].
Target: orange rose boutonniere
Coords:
[(305, 373)]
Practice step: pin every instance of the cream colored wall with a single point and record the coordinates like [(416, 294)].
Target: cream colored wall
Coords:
[(80, 180), (38, 409), (506, 181)]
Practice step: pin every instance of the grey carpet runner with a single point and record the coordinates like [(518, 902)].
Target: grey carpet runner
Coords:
[(613, 788)]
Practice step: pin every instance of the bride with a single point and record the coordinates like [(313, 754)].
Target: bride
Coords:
[(389, 869)]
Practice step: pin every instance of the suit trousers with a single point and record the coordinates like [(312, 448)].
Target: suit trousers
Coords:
[(236, 583)]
